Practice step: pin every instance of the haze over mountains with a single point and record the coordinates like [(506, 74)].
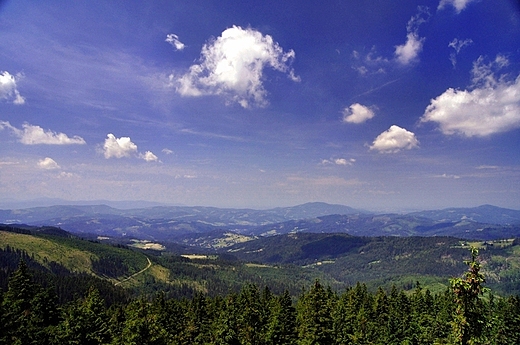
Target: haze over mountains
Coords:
[(201, 226)]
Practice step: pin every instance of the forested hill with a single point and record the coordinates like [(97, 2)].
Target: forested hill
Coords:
[(58, 258), (281, 262), (460, 314)]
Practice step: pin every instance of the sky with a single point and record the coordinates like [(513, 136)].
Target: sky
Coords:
[(374, 104)]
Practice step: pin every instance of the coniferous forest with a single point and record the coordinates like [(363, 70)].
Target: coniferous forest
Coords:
[(465, 313)]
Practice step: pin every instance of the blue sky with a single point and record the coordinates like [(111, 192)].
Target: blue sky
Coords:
[(381, 105)]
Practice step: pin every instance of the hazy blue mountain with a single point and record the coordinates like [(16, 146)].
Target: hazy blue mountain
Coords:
[(482, 214), (10, 203), (191, 225)]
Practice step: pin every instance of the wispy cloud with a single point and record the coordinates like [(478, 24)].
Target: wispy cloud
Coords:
[(409, 51), (459, 5), (173, 39), (232, 66), (491, 105), (35, 135), (338, 161), (394, 140), (457, 45)]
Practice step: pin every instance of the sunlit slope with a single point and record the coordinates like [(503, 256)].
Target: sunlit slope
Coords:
[(77, 255)]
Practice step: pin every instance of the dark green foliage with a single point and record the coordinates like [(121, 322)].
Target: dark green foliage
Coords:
[(29, 312), (85, 322), (30, 315), (315, 323), (469, 324)]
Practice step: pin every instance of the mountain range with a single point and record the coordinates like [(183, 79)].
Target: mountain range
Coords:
[(217, 227)]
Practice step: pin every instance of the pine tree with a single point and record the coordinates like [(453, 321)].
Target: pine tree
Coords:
[(29, 312), (282, 326), (85, 322), (315, 324), (469, 322), (142, 326)]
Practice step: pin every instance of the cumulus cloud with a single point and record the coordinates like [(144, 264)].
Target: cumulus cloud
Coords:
[(173, 39), (232, 66), (408, 52), (124, 147), (459, 5), (148, 156), (48, 164), (457, 45), (394, 140), (491, 105), (118, 147), (35, 135), (8, 88), (357, 113)]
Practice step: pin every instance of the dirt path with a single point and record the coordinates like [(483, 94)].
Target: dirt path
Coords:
[(133, 275)]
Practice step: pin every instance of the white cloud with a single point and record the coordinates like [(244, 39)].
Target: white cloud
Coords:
[(8, 88), (173, 39), (408, 52), (338, 161), (357, 113), (35, 135), (124, 147), (148, 156), (64, 174), (459, 5), (448, 176), (491, 105), (118, 147), (232, 66), (48, 164), (457, 45), (394, 140)]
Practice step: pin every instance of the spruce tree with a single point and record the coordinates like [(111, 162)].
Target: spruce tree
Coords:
[(469, 322)]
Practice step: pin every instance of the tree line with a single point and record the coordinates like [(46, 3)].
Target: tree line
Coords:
[(463, 314)]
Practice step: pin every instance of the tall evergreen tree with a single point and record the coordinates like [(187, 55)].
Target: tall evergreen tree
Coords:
[(85, 322), (29, 312), (282, 325), (469, 320), (315, 317)]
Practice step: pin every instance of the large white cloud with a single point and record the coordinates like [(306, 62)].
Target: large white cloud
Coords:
[(490, 106), (357, 113), (48, 164), (35, 135), (459, 5), (394, 140), (232, 65), (409, 51), (8, 88)]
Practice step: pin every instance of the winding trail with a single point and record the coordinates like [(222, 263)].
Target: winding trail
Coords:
[(133, 275)]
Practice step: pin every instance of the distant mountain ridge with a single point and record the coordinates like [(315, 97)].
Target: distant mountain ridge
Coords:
[(482, 214), (199, 225)]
